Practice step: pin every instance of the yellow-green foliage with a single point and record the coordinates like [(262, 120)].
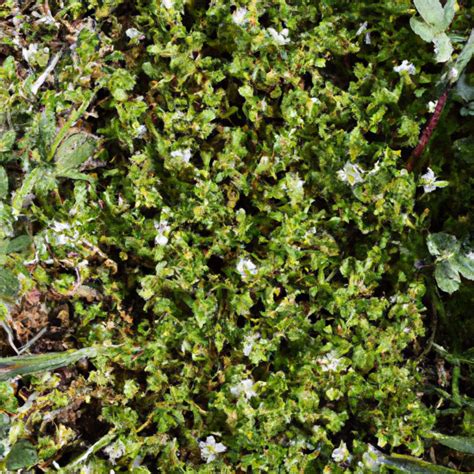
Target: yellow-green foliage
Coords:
[(217, 193)]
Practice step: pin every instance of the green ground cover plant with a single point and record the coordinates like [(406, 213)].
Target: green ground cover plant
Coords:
[(213, 256)]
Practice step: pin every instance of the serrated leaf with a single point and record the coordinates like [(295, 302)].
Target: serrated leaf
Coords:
[(23, 365), (464, 265), (431, 11), (3, 183), (18, 244), (22, 454), (459, 443), (74, 151), (422, 29), (443, 47), (442, 244), (412, 465), (447, 277), (9, 285)]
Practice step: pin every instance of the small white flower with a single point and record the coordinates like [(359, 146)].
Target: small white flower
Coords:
[(249, 342), (29, 52), (351, 174), (246, 267), (238, 17), (133, 33), (184, 155), (367, 39), (114, 451), (279, 38), (470, 255), (168, 4), (341, 453), (432, 106), (60, 226), (453, 73), (210, 449), (162, 229), (362, 28), (244, 388), (405, 66), (140, 131), (430, 183), (330, 362)]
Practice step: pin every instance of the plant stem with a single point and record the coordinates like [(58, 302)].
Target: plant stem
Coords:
[(428, 131)]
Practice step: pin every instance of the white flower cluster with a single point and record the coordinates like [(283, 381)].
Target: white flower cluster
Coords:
[(239, 16), (184, 155), (280, 38), (246, 268), (162, 231), (405, 67), (341, 454), (330, 362), (249, 342), (245, 388), (351, 174), (115, 451)]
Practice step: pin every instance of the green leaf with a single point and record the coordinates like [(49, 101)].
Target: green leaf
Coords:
[(449, 10), (442, 244), (443, 47), (464, 148), (18, 244), (422, 29), (447, 277), (465, 55), (412, 465), (7, 140), (27, 187), (74, 151), (464, 265), (22, 365), (23, 454), (3, 183), (459, 443), (9, 285), (431, 11)]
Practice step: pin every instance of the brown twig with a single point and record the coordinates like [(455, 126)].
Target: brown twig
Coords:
[(428, 131)]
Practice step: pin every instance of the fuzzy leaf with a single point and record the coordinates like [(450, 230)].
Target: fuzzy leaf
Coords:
[(422, 29), (442, 244), (18, 244), (464, 265), (431, 11), (8, 284), (449, 10), (23, 454), (447, 277), (443, 47), (465, 55), (74, 151), (27, 187)]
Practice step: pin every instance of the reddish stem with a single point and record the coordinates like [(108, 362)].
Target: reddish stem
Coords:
[(428, 131)]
